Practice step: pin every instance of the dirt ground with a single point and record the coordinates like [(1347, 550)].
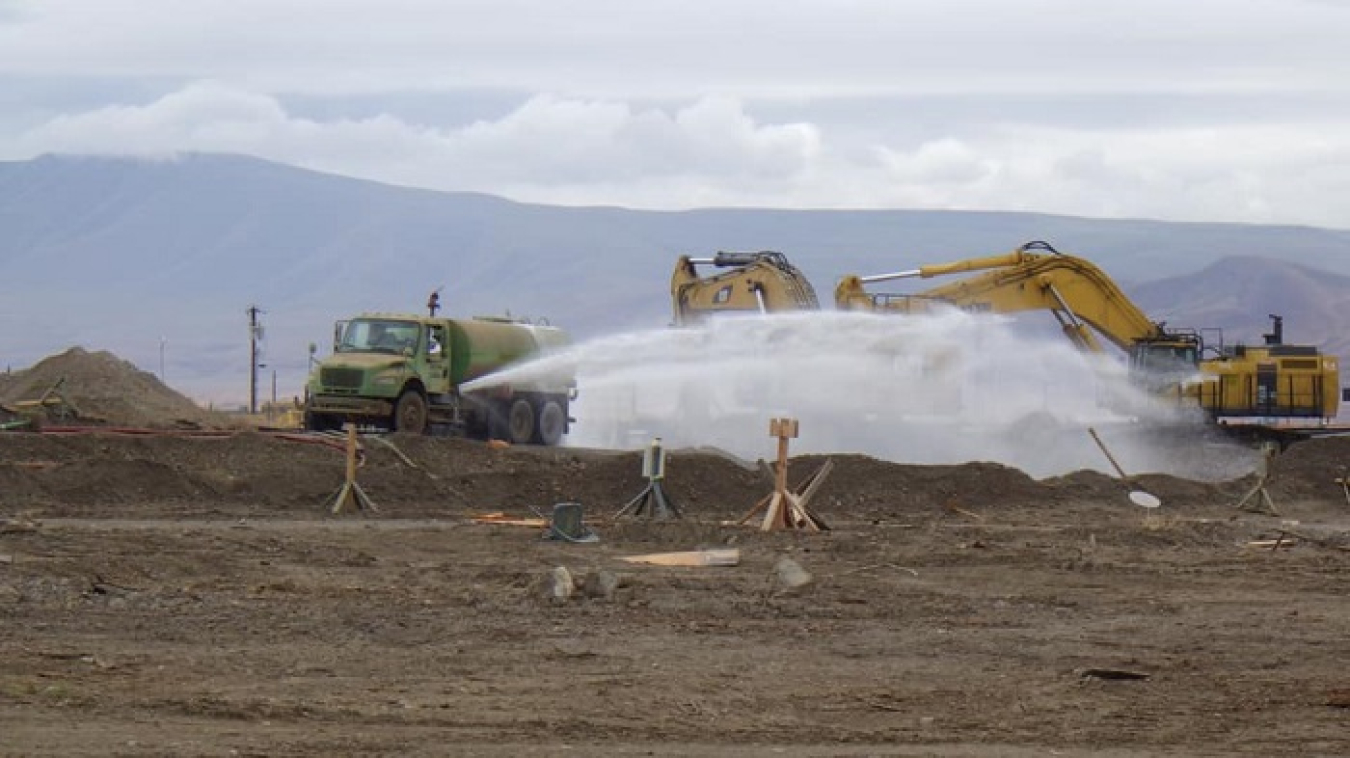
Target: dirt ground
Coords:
[(188, 592), (193, 595)]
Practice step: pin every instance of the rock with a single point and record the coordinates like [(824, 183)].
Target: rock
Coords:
[(18, 525), (9, 595), (790, 575), (601, 584), (557, 585)]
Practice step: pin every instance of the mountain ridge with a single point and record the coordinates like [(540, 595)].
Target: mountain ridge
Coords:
[(174, 251)]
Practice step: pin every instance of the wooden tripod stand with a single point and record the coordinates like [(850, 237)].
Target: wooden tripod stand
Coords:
[(785, 508), (351, 491)]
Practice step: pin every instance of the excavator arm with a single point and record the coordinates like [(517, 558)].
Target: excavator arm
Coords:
[(1081, 297)]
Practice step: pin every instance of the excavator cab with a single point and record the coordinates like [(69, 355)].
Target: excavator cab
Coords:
[(1177, 354), (1166, 362)]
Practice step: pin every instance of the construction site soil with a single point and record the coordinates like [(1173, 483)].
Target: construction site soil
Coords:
[(192, 593)]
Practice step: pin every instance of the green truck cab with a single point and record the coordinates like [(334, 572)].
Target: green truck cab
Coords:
[(405, 373)]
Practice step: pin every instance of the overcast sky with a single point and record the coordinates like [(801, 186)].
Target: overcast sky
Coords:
[(1233, 110)]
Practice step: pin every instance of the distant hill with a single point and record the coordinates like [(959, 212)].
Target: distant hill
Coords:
[(159, 259), (1239, 294)]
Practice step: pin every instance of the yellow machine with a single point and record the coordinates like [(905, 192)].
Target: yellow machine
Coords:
[(759, 282), (1273, 380)]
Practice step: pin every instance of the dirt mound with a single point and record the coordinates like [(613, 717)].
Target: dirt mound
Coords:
[(1310, 469), (101, 388), (253, 473)]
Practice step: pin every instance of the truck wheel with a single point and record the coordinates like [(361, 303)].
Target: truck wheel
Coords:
[(552, 422), (410, 413), (521, 421)]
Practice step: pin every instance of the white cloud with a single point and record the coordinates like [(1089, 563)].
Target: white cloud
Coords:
[(546, 142), (711, 151), (1205, 110)]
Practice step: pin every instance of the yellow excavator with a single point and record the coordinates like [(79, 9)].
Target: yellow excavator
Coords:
[(1273, 380), (758, 282)]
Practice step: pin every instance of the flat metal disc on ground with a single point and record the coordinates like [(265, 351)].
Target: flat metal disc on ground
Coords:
[(1144, 499)]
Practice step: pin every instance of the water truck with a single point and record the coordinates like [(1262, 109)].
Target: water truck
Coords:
[(404, 372)]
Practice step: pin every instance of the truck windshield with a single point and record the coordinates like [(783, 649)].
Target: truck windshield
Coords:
[(378, 336)]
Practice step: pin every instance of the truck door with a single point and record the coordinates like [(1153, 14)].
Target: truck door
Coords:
[(1267, 388), (438, 359)]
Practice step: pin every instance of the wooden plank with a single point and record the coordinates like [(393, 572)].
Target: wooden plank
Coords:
[(719, 557), (1273, 544), (505, 520)]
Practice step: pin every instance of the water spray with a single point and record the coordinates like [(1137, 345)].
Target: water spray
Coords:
[(948, 387)]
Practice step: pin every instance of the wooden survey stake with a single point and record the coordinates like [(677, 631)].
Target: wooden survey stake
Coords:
[(785, 508), (351, 491), (1258, 498)]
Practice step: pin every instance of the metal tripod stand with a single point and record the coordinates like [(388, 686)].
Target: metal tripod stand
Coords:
[(653, 500)]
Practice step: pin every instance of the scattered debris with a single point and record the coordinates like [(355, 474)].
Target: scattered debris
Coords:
[(409, 462), (34, 465), (875, 566), (50, 404), (1113, 674), (1274, 544), (952, 507), (1326, 543), (98, 586), (18, 525)]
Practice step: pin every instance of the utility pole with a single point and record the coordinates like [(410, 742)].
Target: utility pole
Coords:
[(255, 333)]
